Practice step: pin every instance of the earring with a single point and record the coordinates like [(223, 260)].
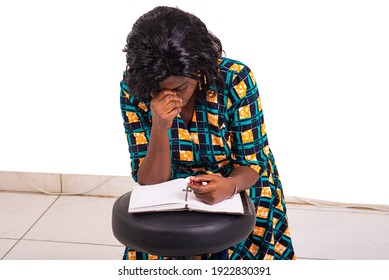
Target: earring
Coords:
[(201, 79)]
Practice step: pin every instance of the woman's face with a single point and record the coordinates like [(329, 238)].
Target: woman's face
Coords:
[(184, 87)]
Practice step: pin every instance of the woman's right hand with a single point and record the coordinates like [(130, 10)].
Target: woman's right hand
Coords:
[(165, 106)]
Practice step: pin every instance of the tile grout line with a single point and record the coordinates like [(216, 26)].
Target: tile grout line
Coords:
[(75, 242), (28, 230)]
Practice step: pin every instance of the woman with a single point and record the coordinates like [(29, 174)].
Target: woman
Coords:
[(188, 111)]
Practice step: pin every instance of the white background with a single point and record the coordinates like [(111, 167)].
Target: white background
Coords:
[(322, 68)]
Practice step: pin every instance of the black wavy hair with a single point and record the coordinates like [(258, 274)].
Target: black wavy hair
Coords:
[(168, 41)]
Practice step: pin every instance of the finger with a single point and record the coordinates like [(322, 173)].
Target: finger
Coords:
[(195, 188), (168, 99), (167, 95), (205, 189), (173, 113), (168, 107), (203, 178), (171, 106), (161, 94)]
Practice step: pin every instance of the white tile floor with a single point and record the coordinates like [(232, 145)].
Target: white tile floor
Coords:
[(35, 226), (339, 233)]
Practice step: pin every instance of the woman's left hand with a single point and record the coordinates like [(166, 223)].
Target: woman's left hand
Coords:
[(214, 189)]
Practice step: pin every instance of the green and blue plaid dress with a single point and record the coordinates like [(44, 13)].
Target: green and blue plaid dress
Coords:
[(227, 130)]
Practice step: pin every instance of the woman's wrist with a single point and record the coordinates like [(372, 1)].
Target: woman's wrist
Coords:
[(235, 187)]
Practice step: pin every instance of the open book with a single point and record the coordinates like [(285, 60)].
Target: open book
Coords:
[(175, 195)]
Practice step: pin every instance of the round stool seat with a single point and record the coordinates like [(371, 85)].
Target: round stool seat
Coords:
[(178, 233)]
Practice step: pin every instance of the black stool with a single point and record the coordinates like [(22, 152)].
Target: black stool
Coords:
[(179, 233)]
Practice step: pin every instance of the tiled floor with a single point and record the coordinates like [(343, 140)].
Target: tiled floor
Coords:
[(35, 226), (339, 233)]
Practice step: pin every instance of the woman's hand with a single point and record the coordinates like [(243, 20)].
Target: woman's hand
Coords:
[(165, 106), (214, 189)]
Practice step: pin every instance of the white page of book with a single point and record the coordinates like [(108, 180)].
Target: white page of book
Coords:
[(231, 205), (158, 196)]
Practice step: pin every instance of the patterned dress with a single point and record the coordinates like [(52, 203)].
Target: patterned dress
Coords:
[(227, 130)]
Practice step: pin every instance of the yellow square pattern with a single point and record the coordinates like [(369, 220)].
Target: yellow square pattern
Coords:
[(262, 212), (244, 112), (263, 129), (259, 103), (153, 257), (275, 221), (241, 89), (287, 232), (253, 249), (213, 119), (132, 117), (212, 98), (256, 168), (230, 253), (252, 77), (140, 138), (279, 205), (186, 156), (270, 165), (220, 158), (251, 157), (143, 106), (131, 255), (266, 191), (229, 103), (223, 163), (217, 141), (183, 134), (259, 231), (247, 136), (126, 94), (195, 137), (266, 150), (271, 180), (279, 248), (236, 67)]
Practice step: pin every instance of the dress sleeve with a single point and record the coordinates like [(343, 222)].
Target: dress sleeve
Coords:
[(249, 143), (137, 126)]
